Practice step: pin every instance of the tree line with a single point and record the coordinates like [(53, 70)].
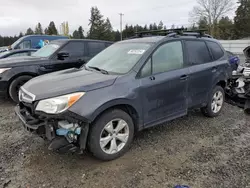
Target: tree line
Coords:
[(213, 19), (211, 15)]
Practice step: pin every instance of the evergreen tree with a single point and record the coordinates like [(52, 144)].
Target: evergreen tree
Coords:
[(75, 35), (151, 27), (203, 23), (108, 31), (155, 27), (51, 29), (145, 28), (38, 29), (242, 19), (160, 25), (117, 35), (225, 29), (96, 23), (20, 35), (129, 31), (29, 32), (80, 32), (125, 31)]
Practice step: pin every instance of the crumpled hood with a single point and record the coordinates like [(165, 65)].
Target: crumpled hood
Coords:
[(20, 61), (67, 81)]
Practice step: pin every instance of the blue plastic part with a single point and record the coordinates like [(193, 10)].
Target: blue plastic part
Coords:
[(62, 132), (78, 131)]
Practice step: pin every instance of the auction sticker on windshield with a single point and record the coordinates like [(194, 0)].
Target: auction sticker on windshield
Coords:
[(137, 52)]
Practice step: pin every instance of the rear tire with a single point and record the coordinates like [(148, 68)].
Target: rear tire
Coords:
[(107, 140), (215, 102), (15, 86)]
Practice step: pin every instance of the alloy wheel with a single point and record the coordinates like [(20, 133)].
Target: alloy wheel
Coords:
[(217, 102), (114, 136)]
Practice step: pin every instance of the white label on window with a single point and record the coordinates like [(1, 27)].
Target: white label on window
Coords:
[(137, 52)]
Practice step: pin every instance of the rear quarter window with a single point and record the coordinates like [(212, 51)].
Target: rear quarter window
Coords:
[(215, 49), (198, 52)]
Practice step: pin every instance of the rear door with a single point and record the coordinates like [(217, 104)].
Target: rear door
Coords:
[(202, 69), (76, 51), (164, 80)]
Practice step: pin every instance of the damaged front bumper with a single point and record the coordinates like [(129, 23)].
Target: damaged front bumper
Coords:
[(65, 132), (238, 89)]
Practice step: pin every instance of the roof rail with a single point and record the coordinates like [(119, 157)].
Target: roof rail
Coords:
[(173, 33)]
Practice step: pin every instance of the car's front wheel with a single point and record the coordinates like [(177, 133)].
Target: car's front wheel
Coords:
[(111, 135), (215, 102), (15, 86)]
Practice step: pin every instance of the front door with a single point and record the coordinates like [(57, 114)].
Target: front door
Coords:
[(164, 84), (76, 56)]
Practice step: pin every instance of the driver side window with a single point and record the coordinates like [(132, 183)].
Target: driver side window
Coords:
[(168, 57)]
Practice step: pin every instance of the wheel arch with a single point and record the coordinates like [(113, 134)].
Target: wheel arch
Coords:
[(18, 75), (124, 105), (222, 83)]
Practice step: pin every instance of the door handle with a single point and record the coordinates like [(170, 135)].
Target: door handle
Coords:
[(184, 77), (152, 78)]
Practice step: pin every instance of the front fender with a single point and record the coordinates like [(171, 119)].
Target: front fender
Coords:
[(114, 103), (18, 71)]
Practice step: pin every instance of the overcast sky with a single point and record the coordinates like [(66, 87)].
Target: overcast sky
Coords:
[(18, 15)]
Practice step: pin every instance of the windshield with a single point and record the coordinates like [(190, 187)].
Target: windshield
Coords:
[(46, 51), (119, 58)]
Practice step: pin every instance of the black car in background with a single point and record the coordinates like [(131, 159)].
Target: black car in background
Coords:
[(17, 53), (58, 55)]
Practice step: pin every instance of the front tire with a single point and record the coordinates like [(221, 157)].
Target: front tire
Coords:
[(215, 102), (15, 86), (111, 135)]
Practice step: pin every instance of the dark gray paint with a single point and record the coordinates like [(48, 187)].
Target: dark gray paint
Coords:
[(167, 96)]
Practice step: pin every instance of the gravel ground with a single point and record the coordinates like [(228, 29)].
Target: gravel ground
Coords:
[(193, 150)]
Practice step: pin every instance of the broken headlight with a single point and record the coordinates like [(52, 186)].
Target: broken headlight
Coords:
[(58, 104)]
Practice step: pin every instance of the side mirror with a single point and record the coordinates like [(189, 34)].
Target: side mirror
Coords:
[(62, 55)]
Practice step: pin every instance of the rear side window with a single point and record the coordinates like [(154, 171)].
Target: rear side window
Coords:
[(216, 50), (95, 48), (75, 49), (197, 52)]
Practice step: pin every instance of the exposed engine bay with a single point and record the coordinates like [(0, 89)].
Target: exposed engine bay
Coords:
[(238, 87)]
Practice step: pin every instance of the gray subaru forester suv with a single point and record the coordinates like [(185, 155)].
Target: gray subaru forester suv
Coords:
[(132, 85)]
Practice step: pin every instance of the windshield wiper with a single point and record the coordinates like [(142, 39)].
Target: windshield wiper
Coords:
[(84, 66), (100, 70)]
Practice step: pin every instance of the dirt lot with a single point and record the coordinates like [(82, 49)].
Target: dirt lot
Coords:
[(193, 151)]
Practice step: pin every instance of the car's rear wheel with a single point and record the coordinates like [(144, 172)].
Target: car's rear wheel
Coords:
[(215, 102), (15, 86), (111, 135)]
